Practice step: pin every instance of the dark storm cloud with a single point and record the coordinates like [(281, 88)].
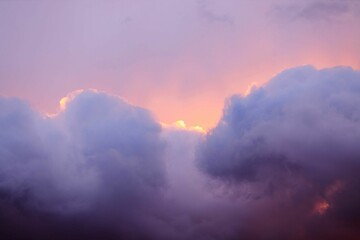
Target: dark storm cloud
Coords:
[(292, 147), (94, 171)]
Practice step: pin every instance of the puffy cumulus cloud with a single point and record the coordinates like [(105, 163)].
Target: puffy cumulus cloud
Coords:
[(93, 171), (281, 164), (104, 169), (290, 150)]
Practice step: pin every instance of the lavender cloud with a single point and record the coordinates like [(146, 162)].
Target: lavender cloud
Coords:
[(102, 169), (282, 163), (291, 148), (94, 170)]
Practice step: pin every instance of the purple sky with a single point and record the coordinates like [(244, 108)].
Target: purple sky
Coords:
[(179, 58), (179, 119)]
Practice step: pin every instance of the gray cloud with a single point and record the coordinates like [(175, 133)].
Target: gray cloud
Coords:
[(281, 164), (95, 167), (205, 12), (315, 9), (103, 169), (292, 147)]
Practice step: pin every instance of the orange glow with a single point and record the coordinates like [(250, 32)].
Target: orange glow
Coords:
[(321, 207), (178, 78), (203, 108), (171, 102)]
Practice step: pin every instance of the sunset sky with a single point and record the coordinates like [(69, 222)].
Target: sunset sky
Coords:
[(179, 119), (178, 58)]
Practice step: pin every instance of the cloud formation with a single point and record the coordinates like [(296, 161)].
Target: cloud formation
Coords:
[(102, 169), (282, 163), (291, 149), (94, 171)]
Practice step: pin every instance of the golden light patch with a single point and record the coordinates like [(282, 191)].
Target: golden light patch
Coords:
[(198, 129), (65, 100), (180, 124)]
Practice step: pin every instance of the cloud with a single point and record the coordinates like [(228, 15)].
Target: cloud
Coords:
[(103, 169), (205, 12), (94, 170), (281, 164), (316, 9), (291, 149)]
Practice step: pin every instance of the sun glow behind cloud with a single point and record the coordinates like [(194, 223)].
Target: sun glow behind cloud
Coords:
[(184, 125), (181, 125), (64, 101), (103, 159), (181, 68)]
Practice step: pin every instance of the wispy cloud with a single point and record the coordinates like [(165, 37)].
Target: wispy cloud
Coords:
[(208, 14), (315, 9)]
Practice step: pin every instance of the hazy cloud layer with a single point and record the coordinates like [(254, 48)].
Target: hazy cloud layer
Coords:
[(291, 148), (316, 9)]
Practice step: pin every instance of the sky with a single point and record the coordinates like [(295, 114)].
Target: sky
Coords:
[(178, 58), (179, 119)]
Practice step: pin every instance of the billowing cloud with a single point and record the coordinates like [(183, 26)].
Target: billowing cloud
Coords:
[(103, 169), (290, 148), (281, 164), (95, 170)]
